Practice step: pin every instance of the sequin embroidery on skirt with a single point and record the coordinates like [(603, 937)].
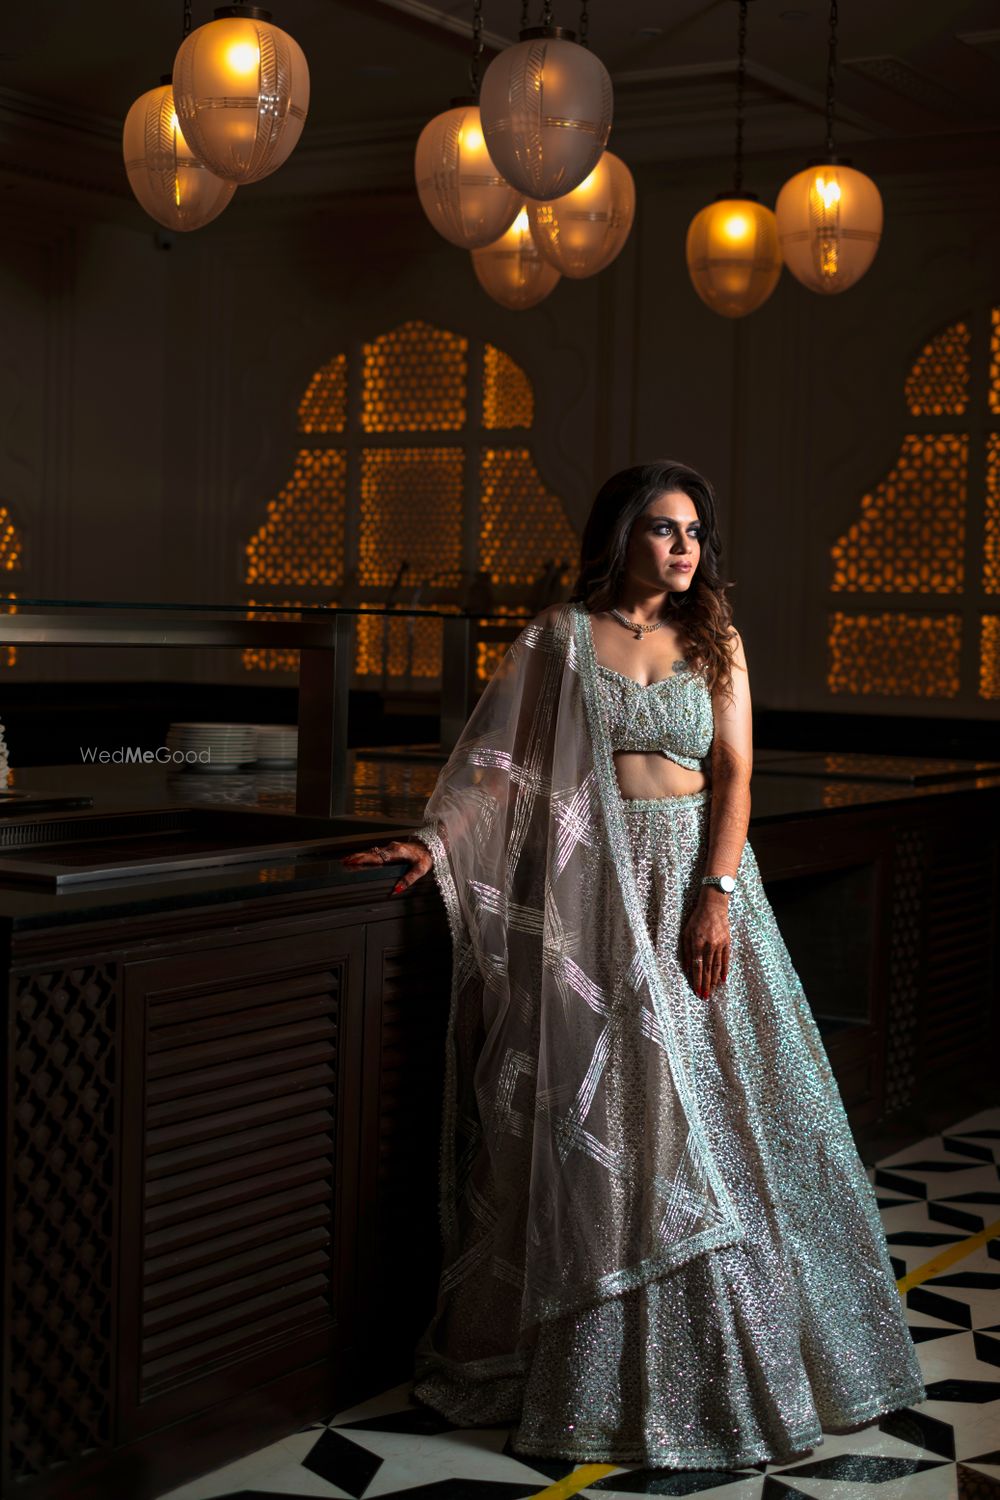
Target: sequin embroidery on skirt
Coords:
[(744, 1353)]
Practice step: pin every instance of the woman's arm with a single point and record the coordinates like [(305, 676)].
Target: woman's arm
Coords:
[(706, 934), (732, 766)]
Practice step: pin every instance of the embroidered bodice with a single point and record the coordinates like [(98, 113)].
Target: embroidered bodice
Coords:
[(672, 716)]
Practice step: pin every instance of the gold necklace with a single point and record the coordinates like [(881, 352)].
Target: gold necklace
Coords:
[(640, 630)]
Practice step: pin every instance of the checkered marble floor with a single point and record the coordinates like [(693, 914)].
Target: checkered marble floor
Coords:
[(935, 1197)]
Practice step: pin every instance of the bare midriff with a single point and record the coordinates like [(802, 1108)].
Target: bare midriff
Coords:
[(645, 774)]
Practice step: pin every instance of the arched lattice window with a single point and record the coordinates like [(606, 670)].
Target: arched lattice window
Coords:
[(919, 568), (416, 450)]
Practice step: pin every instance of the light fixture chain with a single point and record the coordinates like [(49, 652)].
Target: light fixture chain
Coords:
[(741, 76), (584, 24), (525, 22), (831, 77), (476, 61), (187, 18), (547, 13)]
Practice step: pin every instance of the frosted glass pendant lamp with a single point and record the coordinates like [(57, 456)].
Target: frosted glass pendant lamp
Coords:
[(241, 87), (732, 253), (829, 225), (460, 190), (546, 106), (583, 231), (733, 256), (513, 270), (169, 181), (830, 214)]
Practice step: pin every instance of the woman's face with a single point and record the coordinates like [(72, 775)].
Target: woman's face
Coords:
[(664, 547)]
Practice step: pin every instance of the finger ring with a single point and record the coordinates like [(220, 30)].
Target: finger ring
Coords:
[(382, 854)]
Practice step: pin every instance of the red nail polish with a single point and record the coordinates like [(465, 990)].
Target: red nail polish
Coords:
[(398, 887)]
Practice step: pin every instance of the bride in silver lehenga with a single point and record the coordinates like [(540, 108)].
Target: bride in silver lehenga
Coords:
[(660, 1243)]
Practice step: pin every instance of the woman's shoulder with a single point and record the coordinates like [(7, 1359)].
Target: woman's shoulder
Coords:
[(551, 615)]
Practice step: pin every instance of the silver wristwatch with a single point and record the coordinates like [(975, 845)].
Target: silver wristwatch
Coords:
[(725, 883)]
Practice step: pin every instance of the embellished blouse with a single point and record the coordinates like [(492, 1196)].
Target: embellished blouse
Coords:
[(673, 716)]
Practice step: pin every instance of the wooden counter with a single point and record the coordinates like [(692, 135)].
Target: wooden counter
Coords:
[(222, 1097)]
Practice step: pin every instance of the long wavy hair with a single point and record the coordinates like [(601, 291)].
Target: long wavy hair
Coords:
[(701, 615)]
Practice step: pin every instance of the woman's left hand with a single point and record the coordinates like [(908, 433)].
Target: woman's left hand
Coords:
[(705, 942)]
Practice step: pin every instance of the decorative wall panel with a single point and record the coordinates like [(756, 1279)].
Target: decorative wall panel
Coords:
[(411, 511), (894, 654), (938, 382), (64, 1087), (991, 519), (302, 540), (989, 656), (323, 408), (508, 399), (911, 532), (522, 525), (414, 379), (404, 647), (918, 525)]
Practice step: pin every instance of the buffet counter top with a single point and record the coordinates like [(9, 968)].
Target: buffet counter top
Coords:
[(395, 781), (390, 789)]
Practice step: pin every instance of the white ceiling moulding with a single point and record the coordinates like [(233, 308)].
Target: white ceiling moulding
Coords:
[(458, 25)]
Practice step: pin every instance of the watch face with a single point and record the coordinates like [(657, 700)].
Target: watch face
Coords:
[(727, 882)]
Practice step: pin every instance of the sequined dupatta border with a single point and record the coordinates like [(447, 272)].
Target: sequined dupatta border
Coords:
[(729, 1229)]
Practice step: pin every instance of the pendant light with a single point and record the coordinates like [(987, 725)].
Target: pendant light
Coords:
[(583, 231), (830, 215), (733, 256), (546, 107), (460, 190), (172, 184), (169, 181), (513, 270), (241, 87)]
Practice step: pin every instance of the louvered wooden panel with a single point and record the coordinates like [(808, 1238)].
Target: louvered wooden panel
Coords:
[(958, 959), (240, 1114)]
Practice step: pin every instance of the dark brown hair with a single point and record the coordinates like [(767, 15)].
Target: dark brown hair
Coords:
[(702, 615)]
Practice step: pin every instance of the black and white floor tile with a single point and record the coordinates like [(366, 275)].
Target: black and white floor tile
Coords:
[(933, 1196)]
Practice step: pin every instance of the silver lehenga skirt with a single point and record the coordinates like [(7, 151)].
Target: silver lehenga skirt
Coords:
[(741, 1354)]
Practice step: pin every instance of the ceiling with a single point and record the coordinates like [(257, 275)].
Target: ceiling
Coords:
[(909, 70)]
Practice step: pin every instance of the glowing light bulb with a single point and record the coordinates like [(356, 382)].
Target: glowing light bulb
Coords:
[(736, 227), (829, 190), (243, 57)]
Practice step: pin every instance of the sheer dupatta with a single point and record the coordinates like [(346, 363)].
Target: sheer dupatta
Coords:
[(557, 1002)]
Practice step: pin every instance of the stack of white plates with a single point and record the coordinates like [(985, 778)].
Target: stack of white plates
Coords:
[(277, 744), (228, 746)]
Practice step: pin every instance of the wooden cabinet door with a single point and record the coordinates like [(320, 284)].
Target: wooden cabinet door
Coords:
[(240, 1100)]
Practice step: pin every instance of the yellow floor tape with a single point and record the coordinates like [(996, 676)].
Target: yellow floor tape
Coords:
[(587, 1474)]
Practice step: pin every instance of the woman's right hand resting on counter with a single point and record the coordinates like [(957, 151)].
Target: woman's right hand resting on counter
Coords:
[(383, 854)]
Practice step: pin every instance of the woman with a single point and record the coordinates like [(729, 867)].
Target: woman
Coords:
[(660, 1244)]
